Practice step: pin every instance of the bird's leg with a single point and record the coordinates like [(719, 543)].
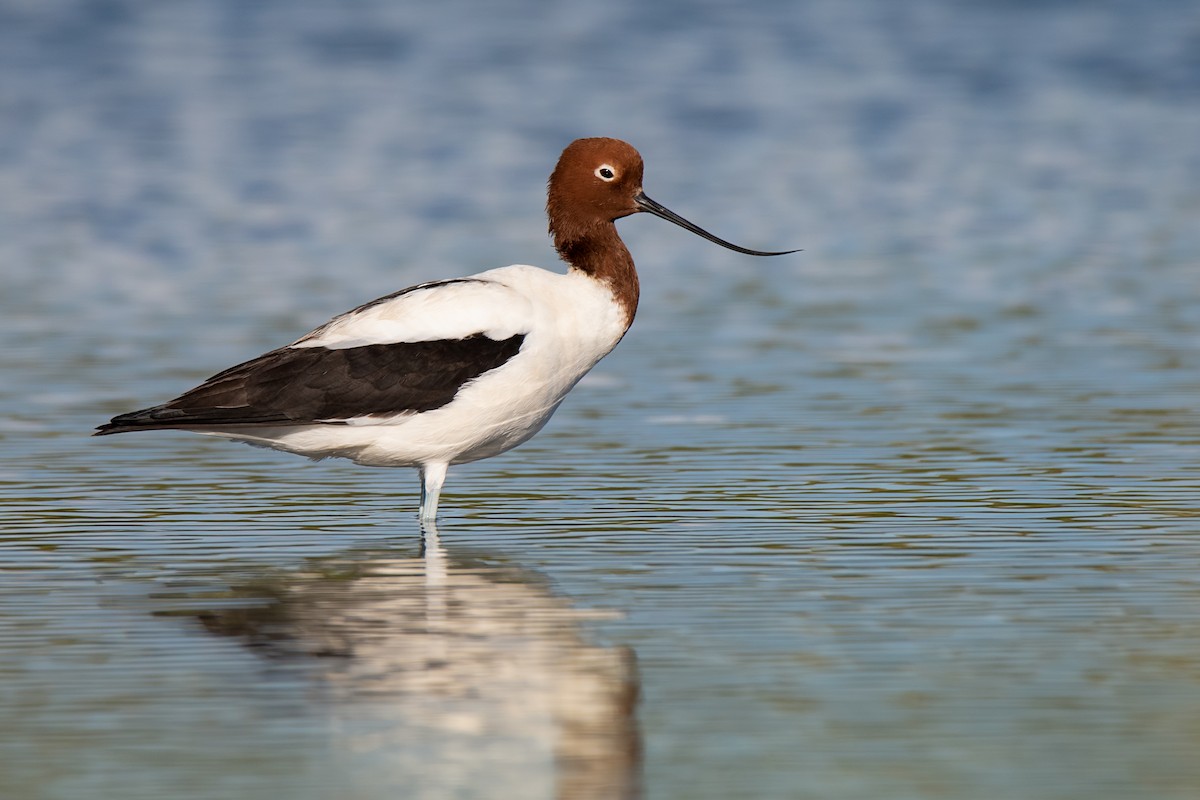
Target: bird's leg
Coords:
[(432, 477)]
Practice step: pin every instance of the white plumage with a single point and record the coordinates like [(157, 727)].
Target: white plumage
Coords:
[(486, 303)]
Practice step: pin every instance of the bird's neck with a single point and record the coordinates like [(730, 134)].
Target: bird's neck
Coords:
[(600, 254)]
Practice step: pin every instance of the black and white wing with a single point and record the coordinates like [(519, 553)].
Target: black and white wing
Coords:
[(406, 353)]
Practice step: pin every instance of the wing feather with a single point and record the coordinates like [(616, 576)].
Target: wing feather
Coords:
[(411, 351), (294, 385), (451, 309)]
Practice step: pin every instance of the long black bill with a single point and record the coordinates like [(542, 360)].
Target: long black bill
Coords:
[(646, 204)]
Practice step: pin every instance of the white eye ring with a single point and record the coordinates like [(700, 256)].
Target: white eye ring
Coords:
[(606, 172)]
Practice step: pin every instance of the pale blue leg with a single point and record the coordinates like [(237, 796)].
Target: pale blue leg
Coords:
[(432, 478)]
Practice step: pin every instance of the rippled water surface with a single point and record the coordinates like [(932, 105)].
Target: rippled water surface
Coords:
[(911, 514)]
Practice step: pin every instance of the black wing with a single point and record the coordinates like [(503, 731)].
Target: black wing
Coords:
[(294, 385)]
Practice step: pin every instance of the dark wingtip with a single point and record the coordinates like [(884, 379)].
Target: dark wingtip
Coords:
[(144, 419), (109, 428)]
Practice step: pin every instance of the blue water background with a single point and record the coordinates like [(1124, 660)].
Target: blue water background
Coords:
[(911, 514)]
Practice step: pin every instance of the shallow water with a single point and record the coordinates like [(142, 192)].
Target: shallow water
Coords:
[(911, 514)]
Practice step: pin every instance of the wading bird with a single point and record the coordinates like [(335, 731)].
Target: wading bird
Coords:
[(451, 371)]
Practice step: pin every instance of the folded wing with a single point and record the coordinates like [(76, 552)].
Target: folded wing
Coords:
[(407, 353)]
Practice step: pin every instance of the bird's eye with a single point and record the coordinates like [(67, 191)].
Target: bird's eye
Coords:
[(605, 173)]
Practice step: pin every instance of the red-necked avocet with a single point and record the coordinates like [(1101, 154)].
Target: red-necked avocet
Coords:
[(450, 371)]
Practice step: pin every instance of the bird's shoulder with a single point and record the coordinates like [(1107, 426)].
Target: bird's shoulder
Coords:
[(496, 304)]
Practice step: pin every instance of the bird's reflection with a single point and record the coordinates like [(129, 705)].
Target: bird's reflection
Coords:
[(466, 671)]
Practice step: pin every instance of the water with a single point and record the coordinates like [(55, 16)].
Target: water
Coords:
[(911, 514)]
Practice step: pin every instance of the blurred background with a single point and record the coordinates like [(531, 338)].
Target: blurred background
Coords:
[(910, 514)]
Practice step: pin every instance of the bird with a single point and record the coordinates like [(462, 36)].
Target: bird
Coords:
[(450, 371)]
